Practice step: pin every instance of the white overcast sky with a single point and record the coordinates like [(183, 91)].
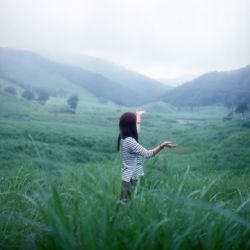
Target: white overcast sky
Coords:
[(160, 38)]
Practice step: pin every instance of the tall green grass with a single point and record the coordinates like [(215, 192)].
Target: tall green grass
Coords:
[(60, 180), (78, 208)]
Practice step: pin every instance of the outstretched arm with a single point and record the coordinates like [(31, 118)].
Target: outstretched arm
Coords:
[(135, 147)]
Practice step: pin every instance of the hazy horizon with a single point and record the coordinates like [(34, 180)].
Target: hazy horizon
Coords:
[(160, 39)]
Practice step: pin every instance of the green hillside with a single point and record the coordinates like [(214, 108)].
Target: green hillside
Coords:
[(204, 129), (229, 88), (203, 135)]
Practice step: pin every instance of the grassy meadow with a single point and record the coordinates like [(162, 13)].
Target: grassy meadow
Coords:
[(60, 178)]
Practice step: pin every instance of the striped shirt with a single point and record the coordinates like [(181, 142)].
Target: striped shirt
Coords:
[(132, 154)]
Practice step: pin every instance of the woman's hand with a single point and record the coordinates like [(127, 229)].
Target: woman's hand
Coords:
[(168, 144), (138, 117), (165, 144), (140, 113)]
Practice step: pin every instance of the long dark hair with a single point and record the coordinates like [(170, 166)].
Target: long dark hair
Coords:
[(127, 125)]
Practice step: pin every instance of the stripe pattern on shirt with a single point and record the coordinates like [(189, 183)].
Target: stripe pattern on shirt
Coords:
[(132, 154)]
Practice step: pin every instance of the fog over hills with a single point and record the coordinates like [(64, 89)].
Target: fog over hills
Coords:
[(109, 81), (133, 80), (31, 70), (177, 81)]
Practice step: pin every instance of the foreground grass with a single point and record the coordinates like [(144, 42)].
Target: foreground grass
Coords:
[(60, 180), (78, 208)]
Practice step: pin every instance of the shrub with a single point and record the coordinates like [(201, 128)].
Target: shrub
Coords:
[(10, 90), (72, 102), (43, 96), (242, 108), (27, 94)]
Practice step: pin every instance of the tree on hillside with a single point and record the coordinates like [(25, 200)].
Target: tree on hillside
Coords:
[(10, 90), (27, 94), (242, 109), (43, 96), (72, 102)]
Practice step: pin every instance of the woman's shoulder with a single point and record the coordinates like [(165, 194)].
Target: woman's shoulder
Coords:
[(129, 140)]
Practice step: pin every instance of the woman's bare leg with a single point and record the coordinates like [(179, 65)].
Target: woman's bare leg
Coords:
[(126, 191)]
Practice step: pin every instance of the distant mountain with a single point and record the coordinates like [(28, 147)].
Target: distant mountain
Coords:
[(149, 88), (215, 88), (28, 69), (177, 81)]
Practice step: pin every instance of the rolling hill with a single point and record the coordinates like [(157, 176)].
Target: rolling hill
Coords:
[(150, 88), (31, 70), (227, 88)]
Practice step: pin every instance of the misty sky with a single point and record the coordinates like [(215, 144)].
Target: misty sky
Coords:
[(160, 38)]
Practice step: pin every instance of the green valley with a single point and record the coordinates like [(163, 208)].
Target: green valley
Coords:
[(60, 177)]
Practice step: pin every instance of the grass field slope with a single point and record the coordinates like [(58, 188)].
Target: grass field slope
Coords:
[(60, 178)]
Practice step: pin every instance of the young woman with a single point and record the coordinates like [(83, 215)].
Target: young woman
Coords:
[(132, 152)]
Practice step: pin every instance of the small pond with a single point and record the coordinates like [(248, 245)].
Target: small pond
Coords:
[(185, 121)]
